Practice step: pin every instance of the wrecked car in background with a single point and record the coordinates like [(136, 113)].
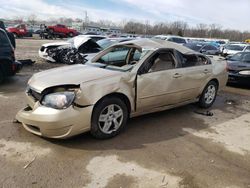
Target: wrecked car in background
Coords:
[(56, 52), (81, 50), (103, 94)]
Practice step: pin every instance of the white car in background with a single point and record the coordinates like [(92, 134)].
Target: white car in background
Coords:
[(43, 51), (231, 49), (171, 38)]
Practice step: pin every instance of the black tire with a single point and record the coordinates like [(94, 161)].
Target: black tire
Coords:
[(208, 95), (71, 34), (1, 76), (97, 126), (15, 35)]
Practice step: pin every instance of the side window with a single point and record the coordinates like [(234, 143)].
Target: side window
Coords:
[(179, 40), (209, 47), (162, 61), (194, 60), (4, 42)]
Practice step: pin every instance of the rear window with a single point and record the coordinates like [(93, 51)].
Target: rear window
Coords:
[(4, 41), (178, 40), (235, 47)]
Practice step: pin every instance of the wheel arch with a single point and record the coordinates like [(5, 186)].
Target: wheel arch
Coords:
[(121, 96)]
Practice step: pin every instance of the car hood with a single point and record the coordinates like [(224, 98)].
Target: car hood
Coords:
[(69, 75), (238, 65), (56, 44)]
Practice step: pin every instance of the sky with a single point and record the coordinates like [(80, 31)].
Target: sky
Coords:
[(232, 14)]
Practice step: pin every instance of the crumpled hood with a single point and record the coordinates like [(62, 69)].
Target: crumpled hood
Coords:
[(56, 44), (69, 75)]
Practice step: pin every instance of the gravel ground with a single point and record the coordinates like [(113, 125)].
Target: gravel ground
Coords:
[(174, 148)]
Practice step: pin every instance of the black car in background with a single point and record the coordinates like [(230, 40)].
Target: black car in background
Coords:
[(8, 65), (10, 35), (238, 67), (204, 48)]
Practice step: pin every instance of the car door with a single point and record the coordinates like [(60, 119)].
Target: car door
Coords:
[(158, 81), (195, 73)]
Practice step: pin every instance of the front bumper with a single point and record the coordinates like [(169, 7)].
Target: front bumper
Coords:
[(53, 123), (44, 55)]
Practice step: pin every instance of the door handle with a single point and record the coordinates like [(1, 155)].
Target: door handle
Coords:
[(206, 71), (177, 75)]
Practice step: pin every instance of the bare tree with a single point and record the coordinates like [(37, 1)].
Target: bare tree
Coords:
[(32, 19)]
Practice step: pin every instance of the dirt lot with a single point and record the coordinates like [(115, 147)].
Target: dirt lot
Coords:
[(175, 148)]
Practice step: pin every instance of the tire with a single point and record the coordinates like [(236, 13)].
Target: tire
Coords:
[(1, 76), (15, 35), (71, 34), (208, 95), (109, 118)]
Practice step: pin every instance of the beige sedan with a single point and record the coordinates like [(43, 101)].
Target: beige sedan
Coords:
[(123, 81)]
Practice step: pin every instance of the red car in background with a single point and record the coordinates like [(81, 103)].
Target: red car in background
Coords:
[(19, 30), (62, 30)]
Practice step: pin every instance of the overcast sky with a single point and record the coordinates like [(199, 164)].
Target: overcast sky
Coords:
[(233, 14)]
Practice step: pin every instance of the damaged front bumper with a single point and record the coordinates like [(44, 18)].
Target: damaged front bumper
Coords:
[(44, 54), (53, 123)]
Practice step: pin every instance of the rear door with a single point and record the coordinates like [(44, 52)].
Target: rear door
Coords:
[(196, 71)]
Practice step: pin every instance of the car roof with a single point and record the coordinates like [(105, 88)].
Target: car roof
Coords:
[(90, 36), (157, 43)]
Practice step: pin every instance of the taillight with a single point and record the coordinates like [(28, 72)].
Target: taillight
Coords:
[(14, 67)]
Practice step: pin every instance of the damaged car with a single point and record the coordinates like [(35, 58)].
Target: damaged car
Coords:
[(101, 95), (81, 50), (58, 49)]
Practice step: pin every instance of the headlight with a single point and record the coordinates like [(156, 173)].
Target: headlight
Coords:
[(246, 72), (59, 100)]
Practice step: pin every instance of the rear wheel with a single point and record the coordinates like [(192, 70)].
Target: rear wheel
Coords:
[(208, 95), (109, 117)]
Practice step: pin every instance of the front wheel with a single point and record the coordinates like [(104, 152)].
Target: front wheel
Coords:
[(208, 95), (109, 117)]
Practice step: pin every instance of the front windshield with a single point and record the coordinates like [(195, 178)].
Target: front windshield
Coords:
[(195, 47), (120, 58), (105, 43), (235, 47), (243, 57)]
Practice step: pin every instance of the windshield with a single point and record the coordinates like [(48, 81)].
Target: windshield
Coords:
[(243, 57), (120, 58), (195, 47), (105, 43), (235, 47)]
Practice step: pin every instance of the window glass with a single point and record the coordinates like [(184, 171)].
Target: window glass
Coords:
[(179, 40), (3, 40), (247, 49), (193, 60), (246, 57), (116, 57), (209, 47), (162, 61)]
